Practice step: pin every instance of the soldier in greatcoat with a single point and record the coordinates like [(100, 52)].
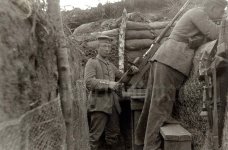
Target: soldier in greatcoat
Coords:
[(104, 107), (170, 66)]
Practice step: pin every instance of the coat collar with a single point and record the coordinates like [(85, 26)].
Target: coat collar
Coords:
[(102, 60)]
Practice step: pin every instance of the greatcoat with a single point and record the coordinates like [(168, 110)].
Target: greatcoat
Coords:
[(98, 73), (175, 52), (170, 65)]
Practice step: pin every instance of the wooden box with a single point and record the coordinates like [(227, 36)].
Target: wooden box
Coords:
[(176, 137)]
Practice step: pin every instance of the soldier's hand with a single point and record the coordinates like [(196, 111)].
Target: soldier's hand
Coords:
[(220, 62), (114, 85), (133, 69)]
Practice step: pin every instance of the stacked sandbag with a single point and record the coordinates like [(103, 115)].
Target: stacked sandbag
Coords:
[(140, 36), (114, 33), (96, 26), (140, 33), (138, 44), (87, 28)]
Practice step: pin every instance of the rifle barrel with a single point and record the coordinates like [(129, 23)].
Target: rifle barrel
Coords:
[(162, 34)]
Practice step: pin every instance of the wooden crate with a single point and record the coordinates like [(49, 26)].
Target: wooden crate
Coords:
[(176, 137)]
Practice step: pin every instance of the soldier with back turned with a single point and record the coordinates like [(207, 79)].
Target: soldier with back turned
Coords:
[(170, 66)]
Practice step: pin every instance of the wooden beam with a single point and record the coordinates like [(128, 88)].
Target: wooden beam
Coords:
[(121, 48)]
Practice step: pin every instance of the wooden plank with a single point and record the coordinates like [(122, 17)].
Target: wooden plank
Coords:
[(138, 97), (135, 118), (137, 104), (122, 40), (134, 93), (175, 132)]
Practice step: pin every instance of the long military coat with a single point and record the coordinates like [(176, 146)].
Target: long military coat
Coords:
[(164, 81), (98, 74), (175, 52)]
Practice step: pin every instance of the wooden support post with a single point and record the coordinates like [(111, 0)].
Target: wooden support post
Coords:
[(80, 120), (122, 40), (64, 74)]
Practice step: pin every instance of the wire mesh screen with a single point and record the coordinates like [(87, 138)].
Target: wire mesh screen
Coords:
[(10, 137), (42, 128), (189, 105), (80, 121)]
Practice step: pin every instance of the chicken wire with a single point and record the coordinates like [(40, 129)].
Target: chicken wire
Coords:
[(42, 128), (189, 105)]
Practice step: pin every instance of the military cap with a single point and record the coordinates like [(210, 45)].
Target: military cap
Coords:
[(105, 38), (219, 2)]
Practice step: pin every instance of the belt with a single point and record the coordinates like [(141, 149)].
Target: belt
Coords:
[(178, 39)]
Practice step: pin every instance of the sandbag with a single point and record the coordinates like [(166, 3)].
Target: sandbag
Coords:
[(133, 17), (82, 38), (131, 55), (95, 34), (138, 44), (137, 26), (109, 24), (137, 17), (111, 33), (92, 44), (139, 34), (159, 24), (158, 32), (86, 28)]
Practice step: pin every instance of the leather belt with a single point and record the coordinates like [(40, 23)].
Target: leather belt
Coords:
[(178, 39)]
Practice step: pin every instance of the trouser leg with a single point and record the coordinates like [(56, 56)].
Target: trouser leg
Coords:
[(112, 129), (165, 83), (97, 126), (141, 126)]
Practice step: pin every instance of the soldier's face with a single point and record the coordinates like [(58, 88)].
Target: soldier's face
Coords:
[(104, 49), (217, 12)]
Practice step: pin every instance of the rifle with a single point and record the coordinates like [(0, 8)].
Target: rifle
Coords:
[(144, 65)]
